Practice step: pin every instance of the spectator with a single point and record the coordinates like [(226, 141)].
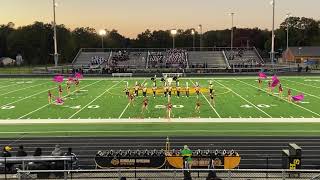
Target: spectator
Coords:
[(6, 153), (21, 152), (57, 165), (57, 151), (73, 164), (37, 152), (186, 154)]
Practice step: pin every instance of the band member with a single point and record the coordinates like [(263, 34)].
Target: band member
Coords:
[(131, 99), (197, 108), (187, 91), (144, 105), (154, 81), (136, 89), (280, 90), (178, 91), (269, 87), (197, 89), (165, 91), (77, 82), (154, 90), (68, 87), (212, 99), (126, 90), (169, 109), (260, 83), (210, 87), (170, 91), (49, 97), (144, 91), (60, 91), (289, 95)]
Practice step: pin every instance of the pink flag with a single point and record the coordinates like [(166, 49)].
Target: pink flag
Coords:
[(58, 79), (275, 83), (78, 76), (59, 101), (274, 78), (298, 98), (262, 75)]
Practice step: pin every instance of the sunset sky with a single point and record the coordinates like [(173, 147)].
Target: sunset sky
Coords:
[(131, 17)]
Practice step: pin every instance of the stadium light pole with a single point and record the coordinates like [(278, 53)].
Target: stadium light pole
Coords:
[(287, 17), (193, 32), (200, 28), (55, 55), (102, 33), (232, 15), (273, 3), (173, 33)]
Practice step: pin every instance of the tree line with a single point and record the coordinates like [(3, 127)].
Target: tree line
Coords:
[(35, 42)]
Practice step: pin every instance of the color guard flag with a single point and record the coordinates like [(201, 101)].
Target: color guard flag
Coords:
[(275, 81), (262, 75), (78, 76), (58, 79), (298, 98), (274, 78)]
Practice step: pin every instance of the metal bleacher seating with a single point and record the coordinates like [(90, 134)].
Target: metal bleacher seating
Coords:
[(133, 59), (211, 58), (243, 56), (84, 58)]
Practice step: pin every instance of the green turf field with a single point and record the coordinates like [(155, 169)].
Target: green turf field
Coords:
[(103, 99)]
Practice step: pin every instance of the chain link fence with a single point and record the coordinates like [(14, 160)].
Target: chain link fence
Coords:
[(153, 174)]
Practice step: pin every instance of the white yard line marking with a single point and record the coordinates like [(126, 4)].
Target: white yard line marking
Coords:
[(281, 98), (214, 109), (23, 88), (245, 100), (302, 83), (27, 97), (1, 87), (49, 104), (125, 109), (94, 100)]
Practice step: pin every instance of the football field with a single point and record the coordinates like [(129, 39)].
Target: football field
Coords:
[(24, 102)]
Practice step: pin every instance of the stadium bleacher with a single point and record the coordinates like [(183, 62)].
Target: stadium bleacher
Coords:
[(238, 57), (128, 59), (91, 58), (210, 58), (168, 58)]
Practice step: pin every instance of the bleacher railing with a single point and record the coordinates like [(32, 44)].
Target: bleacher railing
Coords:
[(164, 49), (274, 174)]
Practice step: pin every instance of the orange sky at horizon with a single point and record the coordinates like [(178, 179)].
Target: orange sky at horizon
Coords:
[(133, 17)]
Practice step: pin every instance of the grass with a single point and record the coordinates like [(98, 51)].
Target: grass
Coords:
[(26, 99), (162, 129), (16, 70)]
